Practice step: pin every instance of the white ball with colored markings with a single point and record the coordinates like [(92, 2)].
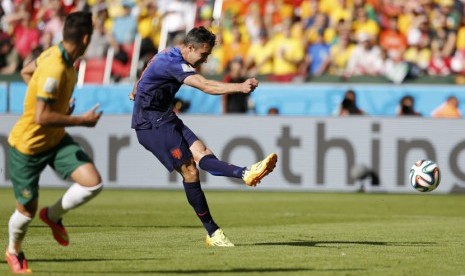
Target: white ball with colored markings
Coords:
[(425, 175)]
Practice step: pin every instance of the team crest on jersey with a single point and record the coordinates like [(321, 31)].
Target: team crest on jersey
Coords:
[(51, 85), (187, 68), (26, 193), (176, 153)]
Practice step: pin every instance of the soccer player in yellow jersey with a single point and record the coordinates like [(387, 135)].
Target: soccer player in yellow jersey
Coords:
[(39, 139)]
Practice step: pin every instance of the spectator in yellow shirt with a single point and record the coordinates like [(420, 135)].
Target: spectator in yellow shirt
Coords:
[(288, 55), (339, 56), (362, 24), (237, 48), (259, 57), (149, 26)]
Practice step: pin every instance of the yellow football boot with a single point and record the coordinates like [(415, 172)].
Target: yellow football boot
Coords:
[(218, 239), (257, 171)]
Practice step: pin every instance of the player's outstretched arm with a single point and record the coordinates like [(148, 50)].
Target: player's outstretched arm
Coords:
[(47, 116), (219, 88)]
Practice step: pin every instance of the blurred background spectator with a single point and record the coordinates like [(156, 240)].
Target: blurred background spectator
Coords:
[(177, 18), (273, 111), (317, 57), (258, 59), (339, 55), (238, 102), (366, 58), (101, 37), (288, 52), (9, 58), (407, 107), (124, 28), (50, 19), (180, 106), (348, 105), (448, 109), (149, 28), (27, 36)]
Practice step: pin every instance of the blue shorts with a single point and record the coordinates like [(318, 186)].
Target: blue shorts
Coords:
[(169, 142)]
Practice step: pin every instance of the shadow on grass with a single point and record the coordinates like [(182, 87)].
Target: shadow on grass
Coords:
[(173, 271), (208, 271), (329, 243), (118, 226), (64, 260)]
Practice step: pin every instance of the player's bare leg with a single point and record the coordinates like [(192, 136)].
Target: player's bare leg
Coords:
[(87, 185)]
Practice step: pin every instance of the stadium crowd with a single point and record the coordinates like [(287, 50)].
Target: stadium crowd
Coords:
[(278, 40)]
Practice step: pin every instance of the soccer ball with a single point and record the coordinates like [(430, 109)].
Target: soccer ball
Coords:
[(425, 175)]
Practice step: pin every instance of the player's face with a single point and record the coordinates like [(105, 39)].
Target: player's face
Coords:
[(199, 55)]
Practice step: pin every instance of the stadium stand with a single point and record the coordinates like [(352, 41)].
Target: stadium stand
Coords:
[(416, 41), (95, 70), (423, 37)]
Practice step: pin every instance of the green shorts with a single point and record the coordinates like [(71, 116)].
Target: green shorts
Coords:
[(25, 169)]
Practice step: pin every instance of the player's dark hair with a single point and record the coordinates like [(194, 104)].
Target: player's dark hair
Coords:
[(198, 36), (77, 25)]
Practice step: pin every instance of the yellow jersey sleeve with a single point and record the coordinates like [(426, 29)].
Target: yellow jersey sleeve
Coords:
[(49, 79)]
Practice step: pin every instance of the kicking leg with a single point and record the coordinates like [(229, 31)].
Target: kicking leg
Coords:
[(208, 162)]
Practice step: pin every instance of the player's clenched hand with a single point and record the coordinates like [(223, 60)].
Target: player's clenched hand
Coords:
[(132, 96), (249, 85), (91, 117)]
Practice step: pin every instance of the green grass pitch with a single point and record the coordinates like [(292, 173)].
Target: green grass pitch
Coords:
[(152, 232)]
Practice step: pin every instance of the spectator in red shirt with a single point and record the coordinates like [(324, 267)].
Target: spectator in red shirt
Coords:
[(27, 37), (439, 64)]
